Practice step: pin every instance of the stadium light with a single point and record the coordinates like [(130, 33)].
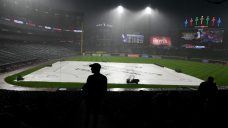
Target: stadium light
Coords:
[(148, 10), (120, 9)]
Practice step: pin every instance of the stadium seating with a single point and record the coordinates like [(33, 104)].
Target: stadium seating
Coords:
[(14, 51), (37, 32), (120, 109), (15, 54)]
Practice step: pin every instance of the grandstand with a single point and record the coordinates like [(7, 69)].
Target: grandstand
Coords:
[(37, 33), (14, 51)]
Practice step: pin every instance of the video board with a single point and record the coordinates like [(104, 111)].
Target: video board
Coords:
[(132, 38), (203, 35)]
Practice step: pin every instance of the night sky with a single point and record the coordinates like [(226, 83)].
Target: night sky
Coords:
[(101, 5), (174, 8)]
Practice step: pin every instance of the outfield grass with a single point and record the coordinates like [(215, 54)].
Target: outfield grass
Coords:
[(196, 69)]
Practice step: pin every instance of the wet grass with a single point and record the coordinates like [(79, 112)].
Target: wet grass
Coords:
[(196, 69)]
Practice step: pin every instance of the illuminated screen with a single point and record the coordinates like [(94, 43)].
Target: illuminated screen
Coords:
[(132, 38), (206, 35), (160, 41)]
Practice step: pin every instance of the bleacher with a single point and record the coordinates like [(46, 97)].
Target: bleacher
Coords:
[(37, 32), (15, 51), (15, 54)]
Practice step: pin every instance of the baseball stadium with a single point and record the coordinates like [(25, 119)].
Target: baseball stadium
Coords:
[(156, 55)]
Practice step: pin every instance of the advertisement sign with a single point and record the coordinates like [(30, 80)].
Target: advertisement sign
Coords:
[(160, 41), (203, 21), (133, 55)]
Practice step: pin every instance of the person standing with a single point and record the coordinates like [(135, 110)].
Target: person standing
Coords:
[(208, 112), (208, 89), (94, 92)]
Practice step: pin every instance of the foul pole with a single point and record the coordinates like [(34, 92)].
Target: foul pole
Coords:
[(82, 39)]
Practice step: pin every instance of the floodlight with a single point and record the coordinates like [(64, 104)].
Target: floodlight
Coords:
[(148, 10), (120, 9)]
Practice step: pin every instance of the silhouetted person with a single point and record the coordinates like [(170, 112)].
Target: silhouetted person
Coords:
[(208, 89), (94, 92), (207, 92)]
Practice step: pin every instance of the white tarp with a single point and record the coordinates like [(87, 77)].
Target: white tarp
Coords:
[(78, 71)]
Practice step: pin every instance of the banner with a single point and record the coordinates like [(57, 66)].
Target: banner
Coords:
[(133, 55)]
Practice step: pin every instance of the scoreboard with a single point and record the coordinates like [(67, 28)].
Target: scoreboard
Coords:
[(132, 38)]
